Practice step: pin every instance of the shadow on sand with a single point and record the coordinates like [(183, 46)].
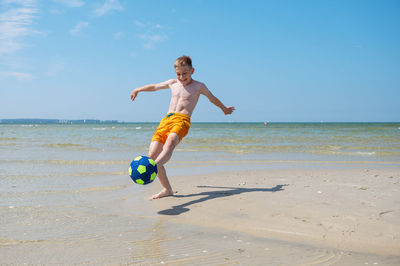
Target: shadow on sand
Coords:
[(209, 195)]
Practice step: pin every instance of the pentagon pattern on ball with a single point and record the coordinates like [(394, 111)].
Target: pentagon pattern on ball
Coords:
[(143, 170)]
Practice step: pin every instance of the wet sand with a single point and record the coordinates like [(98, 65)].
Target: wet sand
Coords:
[(348, 213), (266, 217)]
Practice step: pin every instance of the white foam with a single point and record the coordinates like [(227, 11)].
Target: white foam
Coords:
[(334, 147), (365, 153)]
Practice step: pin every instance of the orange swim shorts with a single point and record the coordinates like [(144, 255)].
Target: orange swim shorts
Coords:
[(172, 122)]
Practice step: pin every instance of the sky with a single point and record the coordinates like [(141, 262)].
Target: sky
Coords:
[(276, 61)]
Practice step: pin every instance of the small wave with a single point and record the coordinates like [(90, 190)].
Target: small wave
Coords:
[(7, 144), (7, 139), (29, 125), (345, 153), (62, 145), (362, 153), (333, 147), (84, 162), (138, 127), (186, 149), (365, 153), (99, 128)]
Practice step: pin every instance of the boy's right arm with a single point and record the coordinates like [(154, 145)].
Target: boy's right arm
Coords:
[(152, 87)]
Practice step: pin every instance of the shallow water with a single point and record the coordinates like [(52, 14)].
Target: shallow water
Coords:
[(66, 197)]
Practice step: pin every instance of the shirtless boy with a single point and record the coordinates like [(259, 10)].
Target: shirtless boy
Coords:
[(185, 93)]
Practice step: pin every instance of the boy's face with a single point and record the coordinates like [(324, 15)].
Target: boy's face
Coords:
[(184, 74)]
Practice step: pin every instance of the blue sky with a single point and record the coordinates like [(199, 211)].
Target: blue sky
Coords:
[(286, 61)]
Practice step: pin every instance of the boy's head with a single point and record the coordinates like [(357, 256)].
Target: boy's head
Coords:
[(183, 61), (183, 69)]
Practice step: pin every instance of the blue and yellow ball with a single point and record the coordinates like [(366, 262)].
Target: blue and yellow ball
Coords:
[(143, 170)]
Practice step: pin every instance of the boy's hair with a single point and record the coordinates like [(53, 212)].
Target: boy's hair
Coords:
[(183, 61)]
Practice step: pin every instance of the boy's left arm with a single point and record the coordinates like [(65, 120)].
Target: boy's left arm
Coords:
[(206, 92)]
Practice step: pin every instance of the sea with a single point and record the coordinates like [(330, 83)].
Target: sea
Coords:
[(66, 197)]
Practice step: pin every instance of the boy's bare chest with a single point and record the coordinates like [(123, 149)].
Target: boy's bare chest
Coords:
[(187, 92)]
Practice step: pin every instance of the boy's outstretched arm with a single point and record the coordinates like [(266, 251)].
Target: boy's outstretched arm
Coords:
[(227, 110), (151, 87)]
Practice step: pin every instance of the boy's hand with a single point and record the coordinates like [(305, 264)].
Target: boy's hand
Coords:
[(228, 110), (134, 94)]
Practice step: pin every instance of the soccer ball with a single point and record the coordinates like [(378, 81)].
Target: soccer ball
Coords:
[(143, 170)]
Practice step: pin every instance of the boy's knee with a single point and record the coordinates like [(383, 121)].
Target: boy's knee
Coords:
[(155, 149), (169, 148), (152, 155), (172, 141)]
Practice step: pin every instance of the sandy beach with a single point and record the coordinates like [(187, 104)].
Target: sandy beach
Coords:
[(266, 217), (304, 194), (352, 210)]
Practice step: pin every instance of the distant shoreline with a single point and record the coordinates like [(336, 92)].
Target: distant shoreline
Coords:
[(56, 121), (23, 121)]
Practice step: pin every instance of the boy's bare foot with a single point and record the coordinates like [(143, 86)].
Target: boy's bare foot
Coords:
[(163, 193)]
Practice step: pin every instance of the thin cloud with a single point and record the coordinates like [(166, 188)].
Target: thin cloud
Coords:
[(16, 75), (139, 23), (152, 35), (55, 69), (15, 23), (78, 28), (20, 2), (153, 38), (70, 3), (118, 35), (150, 40), (108, 6)]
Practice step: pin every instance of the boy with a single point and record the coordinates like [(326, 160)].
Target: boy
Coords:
[(185, 93)]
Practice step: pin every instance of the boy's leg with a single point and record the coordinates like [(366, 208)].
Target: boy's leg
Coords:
[(168, 149), (166, 187), (162, 158), (155, 149)]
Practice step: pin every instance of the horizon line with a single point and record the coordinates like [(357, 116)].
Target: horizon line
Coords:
[(115, 121)]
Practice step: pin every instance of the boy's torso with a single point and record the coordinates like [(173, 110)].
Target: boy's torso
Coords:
[(184, 98)]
